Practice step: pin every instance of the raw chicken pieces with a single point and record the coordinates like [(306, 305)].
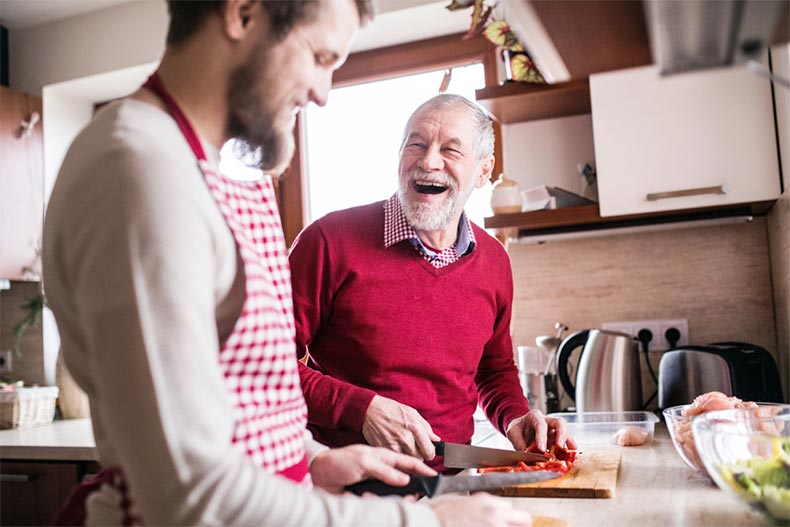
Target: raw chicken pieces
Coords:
[(707, 402), (631, 436)]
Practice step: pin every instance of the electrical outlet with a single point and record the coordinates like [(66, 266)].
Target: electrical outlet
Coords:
[(657, 327), (5, 361)]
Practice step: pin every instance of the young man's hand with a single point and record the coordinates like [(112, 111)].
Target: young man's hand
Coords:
[(335, 468)]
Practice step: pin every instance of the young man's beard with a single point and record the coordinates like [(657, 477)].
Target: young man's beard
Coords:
[(428, 217), (262, 142)]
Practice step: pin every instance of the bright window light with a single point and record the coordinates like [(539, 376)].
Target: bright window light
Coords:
[(352, 143)]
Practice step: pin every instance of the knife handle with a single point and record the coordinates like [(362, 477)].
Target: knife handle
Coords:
[(439, 447), (422, 485)]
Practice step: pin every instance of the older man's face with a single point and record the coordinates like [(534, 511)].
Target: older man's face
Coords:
[(438, 168), (267, 92)]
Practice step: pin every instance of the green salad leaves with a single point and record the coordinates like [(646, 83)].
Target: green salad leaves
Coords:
[(764, 480)]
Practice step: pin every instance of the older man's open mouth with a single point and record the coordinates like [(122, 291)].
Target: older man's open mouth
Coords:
[(427, 187)]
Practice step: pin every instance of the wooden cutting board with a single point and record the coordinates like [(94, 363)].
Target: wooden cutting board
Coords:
[(594, 475)]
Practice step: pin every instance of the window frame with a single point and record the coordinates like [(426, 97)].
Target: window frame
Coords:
[(377, 64)]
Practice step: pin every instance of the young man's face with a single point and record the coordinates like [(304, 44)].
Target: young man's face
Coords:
[(267, 92)]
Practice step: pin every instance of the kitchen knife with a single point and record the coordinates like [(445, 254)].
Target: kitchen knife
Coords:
[(436, 485), (466, 456)]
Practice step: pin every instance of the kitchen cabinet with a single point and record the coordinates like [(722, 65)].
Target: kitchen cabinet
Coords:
[(574, 38), (515, 102), (21, 185), (694, 140), (518, 102), (687, 132), (583, 39), (32, 492)]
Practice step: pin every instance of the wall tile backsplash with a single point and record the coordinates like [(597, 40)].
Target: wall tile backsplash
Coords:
[(716, 277)]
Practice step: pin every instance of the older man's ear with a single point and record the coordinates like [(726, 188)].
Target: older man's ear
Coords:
[(485, 172)]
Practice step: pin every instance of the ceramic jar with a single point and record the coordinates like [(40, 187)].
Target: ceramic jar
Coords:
[(505, 197)]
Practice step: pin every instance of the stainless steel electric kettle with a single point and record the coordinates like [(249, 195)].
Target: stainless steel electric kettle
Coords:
[(608, 377)]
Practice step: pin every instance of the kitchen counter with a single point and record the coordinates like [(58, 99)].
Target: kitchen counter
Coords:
[(65, 440), (654, 489)]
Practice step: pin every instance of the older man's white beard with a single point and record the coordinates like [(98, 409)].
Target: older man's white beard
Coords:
[(426, 217)]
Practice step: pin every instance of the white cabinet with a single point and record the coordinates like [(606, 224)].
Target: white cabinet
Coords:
[(21, 185), (685, 141)]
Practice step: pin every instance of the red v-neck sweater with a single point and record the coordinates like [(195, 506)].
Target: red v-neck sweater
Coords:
[(384, 320)]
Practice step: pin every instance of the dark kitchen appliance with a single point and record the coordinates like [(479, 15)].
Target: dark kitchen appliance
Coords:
[(746, 371)]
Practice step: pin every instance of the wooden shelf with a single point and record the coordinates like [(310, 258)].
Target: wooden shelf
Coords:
[(515, 102), (572, 219)]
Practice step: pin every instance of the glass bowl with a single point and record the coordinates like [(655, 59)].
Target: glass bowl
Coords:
[(747, 453), (679, 427)]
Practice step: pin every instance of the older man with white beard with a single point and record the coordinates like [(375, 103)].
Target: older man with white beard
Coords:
[(403, 307)]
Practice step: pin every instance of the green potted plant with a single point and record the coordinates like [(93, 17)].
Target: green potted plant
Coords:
[(518, 64), (33, 309)]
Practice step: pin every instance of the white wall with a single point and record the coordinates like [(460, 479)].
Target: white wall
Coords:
[(132, 34), (107, 40), (546, 152)]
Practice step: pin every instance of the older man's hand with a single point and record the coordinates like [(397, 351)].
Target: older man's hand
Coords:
[(398, 427), (544, 431)]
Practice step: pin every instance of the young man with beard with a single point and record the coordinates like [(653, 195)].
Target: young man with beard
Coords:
[(403, 307), (171, 288)]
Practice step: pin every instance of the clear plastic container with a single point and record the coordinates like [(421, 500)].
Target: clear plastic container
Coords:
[(610, 428)]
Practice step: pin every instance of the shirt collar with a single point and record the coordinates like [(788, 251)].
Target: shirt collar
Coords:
[(397, 229)]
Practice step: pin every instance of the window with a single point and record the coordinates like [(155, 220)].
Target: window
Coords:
[(352, 143), (394, 64)]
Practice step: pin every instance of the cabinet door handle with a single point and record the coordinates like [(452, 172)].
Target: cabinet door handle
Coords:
[(16, 478), (655, 196)]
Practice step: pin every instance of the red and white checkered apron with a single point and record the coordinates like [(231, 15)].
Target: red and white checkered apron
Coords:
[(259, 358)]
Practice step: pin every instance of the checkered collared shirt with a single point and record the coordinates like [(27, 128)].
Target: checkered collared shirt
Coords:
[(397, 229)]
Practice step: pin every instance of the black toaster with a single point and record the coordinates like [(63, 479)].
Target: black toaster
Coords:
[(737, 369)]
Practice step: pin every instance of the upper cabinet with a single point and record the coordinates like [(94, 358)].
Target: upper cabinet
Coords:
[(568, 40), (575, 38), (21, 184), (679, 142), (516, 102), (668, 148)]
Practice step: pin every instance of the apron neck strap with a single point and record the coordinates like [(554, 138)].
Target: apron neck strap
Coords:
[(155, 84)]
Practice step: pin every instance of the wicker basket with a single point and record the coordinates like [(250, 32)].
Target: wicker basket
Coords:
[(25, 407)]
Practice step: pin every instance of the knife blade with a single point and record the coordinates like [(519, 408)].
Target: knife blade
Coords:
[(466, 456), (441, 484)]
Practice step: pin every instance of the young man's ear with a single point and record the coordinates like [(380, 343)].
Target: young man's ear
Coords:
[(486, 167), (239, 17)]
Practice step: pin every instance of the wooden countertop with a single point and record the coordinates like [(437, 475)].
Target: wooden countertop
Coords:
[(65, 440), (655, 488)]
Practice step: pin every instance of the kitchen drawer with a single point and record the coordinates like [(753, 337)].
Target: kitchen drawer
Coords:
[(31, 492)]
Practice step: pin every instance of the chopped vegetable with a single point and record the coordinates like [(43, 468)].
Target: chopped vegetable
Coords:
[(560, 460), (764, 481)]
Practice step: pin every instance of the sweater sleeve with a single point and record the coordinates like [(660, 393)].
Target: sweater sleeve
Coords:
[(331, 403), (497, 376)]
